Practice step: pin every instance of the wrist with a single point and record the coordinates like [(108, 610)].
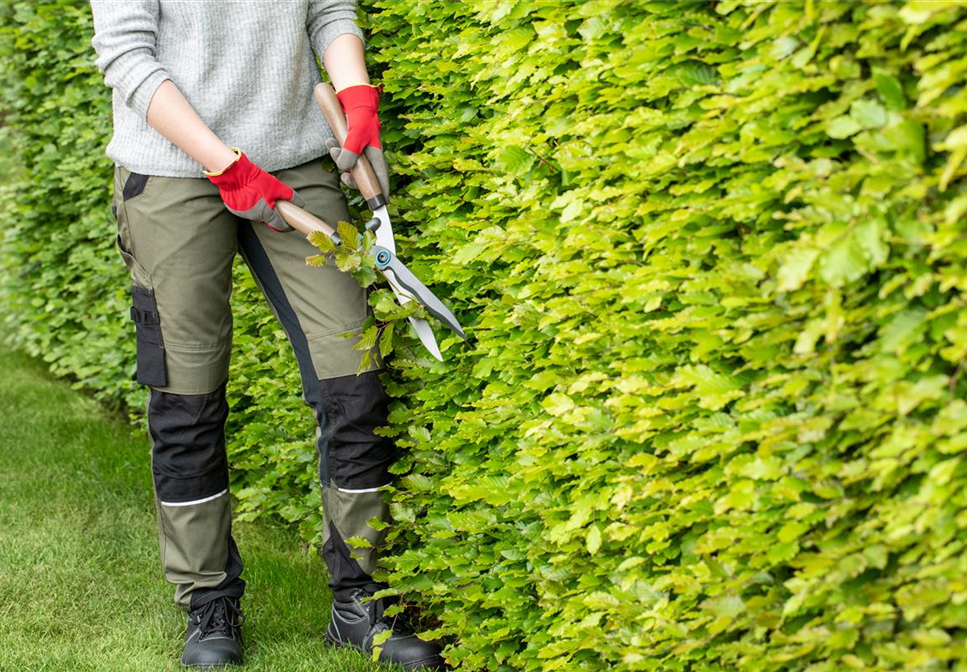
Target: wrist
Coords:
[(366, 84)]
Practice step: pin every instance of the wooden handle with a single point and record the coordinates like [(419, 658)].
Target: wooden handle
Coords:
[(362, 171), (302, 221)]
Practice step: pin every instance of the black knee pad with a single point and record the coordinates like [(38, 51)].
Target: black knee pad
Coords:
[(356, 458), (188, 458)]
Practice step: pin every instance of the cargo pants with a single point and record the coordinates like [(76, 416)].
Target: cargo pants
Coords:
[(178, 241)]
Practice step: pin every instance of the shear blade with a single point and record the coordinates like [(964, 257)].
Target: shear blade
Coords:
[(418, 291), (385, 238), (426, 336), (384, 234), (421, 326)]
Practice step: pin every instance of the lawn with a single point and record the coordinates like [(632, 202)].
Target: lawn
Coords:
[(80, 581)]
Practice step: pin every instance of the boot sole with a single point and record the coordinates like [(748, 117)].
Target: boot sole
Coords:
[(213, 666), (417, 665)]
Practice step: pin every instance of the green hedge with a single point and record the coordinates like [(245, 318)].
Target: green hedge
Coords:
[(711, 256)]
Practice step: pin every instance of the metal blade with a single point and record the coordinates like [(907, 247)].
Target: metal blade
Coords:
[(410, 284), (384, 234), (385, 238), (426, 336)]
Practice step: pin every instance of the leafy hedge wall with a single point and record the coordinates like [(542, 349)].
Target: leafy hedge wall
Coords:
[(711, 256)]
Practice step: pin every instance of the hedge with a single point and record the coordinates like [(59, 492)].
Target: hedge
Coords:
[(711, 258)]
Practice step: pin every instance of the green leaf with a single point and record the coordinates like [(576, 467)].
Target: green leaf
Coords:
[(843, 127), (365, 275), (908, 138), (957, 158), (696, 73), (385, 304), (359, 542), (932, 638), (869, 237), (349, 235), (318, 260), (902, 330), (364, 363), (379, 639), (514, 160), (843, 262), (725, 605), (796, 267), (386, 340), (868, 114), (348, 261), (367, 339), (322, 241), (557, 404), (891, 90), (594, 539), (468, 253), (792, 531)]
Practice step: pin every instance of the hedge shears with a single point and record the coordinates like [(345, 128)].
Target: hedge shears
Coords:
[(403, 282)]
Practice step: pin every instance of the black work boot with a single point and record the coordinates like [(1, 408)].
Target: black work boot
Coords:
[(214, 636), (355, 623)]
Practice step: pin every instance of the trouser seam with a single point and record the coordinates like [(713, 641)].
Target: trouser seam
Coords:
[(333, 332), (197, 347)]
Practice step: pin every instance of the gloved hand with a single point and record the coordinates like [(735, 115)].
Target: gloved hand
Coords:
[(250, 192), (359, 103)]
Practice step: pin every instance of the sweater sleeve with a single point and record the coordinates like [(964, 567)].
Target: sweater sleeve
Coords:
[(124, 39), (327, 20)]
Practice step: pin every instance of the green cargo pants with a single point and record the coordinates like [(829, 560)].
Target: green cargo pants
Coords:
[(178, 242)]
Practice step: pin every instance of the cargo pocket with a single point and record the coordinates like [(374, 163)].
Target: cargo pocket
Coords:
[(127, 186), (151, 349), (138, 274)]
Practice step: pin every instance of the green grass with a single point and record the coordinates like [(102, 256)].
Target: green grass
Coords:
[(80, 580)]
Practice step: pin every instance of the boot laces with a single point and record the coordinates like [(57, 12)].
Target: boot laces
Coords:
[(222, 616)]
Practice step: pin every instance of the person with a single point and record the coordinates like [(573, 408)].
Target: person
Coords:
[(214, 124)]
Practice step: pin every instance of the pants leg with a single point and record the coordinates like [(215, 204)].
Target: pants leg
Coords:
[(178, 242), (318, 308), (192, 499)]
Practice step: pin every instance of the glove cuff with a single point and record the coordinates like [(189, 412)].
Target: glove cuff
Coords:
[(238, 156), (237, 175), (361, 95)]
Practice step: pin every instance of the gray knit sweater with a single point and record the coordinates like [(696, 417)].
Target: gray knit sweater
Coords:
[(246, 66)]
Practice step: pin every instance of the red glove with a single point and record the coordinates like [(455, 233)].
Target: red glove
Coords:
[(360, 103), (250, 192)]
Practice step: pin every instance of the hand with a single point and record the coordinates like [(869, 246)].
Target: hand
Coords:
[(250, 192), (360, 103)]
